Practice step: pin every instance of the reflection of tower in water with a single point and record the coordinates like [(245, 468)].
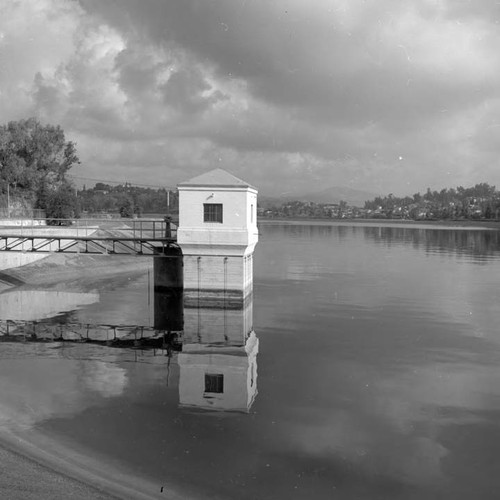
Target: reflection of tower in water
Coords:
[(218, 362), (218, 358)]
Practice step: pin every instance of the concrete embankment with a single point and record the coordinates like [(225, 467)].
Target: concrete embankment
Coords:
[(34, 466), (80, 272), (60, 269), (37, 465), (33, 305), (12, 259), (39, 482)]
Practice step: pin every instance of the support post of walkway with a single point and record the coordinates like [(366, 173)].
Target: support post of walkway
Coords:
[(168, 288)]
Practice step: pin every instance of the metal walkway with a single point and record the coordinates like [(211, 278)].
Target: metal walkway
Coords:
[(143, 237)]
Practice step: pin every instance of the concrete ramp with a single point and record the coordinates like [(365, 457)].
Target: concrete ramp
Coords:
[(33, 305)]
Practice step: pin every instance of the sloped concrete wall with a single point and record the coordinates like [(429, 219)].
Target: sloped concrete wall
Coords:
[(9, 259), (17, 259), (30, 305)]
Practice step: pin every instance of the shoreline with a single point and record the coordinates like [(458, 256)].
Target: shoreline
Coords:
[(402, 223), (25, 477), (39, 465), (45, 468)]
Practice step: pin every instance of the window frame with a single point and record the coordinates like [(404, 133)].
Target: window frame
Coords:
[(213, 213), (214, 383)]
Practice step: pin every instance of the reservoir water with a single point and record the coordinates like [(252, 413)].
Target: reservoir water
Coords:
[(373, 374)]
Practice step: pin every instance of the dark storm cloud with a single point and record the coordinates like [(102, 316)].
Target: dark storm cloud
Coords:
[(315, 60)]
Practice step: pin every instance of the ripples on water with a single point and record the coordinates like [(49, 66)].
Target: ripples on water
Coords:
[(377, 375)]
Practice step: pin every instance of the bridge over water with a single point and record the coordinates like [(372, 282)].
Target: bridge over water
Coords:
[(142, 237)]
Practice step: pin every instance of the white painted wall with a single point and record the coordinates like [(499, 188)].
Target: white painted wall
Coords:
[(239, 226)]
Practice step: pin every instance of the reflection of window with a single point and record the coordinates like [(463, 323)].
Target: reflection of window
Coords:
[(212, 212), (214, 382)]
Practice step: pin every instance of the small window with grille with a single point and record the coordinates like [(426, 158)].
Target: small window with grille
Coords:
[(212, 212), (214, 382)]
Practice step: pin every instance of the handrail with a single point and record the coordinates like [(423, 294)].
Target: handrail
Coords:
[(138, 229)]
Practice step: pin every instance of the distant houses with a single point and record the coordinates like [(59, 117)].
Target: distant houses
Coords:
[(482, 202)]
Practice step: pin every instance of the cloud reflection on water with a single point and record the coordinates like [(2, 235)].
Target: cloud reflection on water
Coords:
[(43, 387)]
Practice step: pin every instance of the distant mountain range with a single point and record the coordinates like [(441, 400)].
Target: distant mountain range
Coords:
[(353, 197)]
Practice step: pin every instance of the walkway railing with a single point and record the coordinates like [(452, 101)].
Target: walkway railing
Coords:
[(94, 236)]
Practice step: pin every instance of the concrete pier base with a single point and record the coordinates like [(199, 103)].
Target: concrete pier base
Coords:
[(168, 289), (217, 281)]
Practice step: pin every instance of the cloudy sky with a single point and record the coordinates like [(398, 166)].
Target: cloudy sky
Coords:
[(291, 95)]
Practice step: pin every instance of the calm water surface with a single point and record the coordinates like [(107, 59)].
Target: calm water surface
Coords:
[(378, 375)]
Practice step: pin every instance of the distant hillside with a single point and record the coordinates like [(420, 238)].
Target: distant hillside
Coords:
[(353, 197)]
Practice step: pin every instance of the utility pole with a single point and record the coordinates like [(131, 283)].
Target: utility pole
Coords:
[(8, 200)]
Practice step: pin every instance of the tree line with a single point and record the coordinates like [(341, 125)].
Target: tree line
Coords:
[(126, 200), (35, 161), (481, 201)]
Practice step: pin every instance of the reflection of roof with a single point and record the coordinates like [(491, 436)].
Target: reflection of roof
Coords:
[(215, 178)]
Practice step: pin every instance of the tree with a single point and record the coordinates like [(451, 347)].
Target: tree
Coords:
[(127, 207), (342, 208), (35, 158), (61, 204), (488, 212)]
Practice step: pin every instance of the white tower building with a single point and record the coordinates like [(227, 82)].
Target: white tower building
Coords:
[(217, 234)]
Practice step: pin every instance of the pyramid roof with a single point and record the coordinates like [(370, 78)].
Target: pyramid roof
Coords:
[(215, 178)]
